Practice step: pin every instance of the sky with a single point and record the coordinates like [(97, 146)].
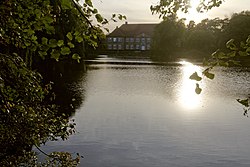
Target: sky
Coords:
[(138, 11)]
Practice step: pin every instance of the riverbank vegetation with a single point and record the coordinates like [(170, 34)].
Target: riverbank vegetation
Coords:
[(173, 39), (32, 32)]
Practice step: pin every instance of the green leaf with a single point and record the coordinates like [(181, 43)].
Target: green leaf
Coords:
[(99, 18), (195, 76), (208, 74), (50, 29), (243, 45), (244, 102), (235, 62), (60, 43), (222, 63), (248, 51), (76, 56), (231, 54), (69, 36), (242, 54), (198, 89), (120, 17), (71, 45), (95, 11), (220, 55), (89, 3), (42, 54), (55, 54), (53, 43), (44, 41), (27, 43), (248, 40), (65, 50), (230, 45), (66, 4), (48, 19), (79, 39)]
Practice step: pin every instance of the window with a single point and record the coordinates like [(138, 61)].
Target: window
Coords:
[(109, 46), (131, 47), (127, 47), (148, 40), (109, 39), (127, 39), (120, 39), (119, 47), (137, 47), (142, 40), (137, 40), (114, 39), (114, 46), (148, 46), (131, 39)]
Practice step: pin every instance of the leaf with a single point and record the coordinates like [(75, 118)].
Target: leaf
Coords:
[(53, 43), (44, 41), (55, 54), (49, 19), (65, 50), (120, 17), (242, 54), (222, 63), (244, 102), (79, 39), (42, 54), (60, 43), (248, 40), (195, 76), (99, 18), (235, 62), (248, 51), (230, 45), (243, 45), (76, 56), (198, 89), (208, 74), (231, 54), (69, 36), (89, 3), (66, 4), (95, 11), (71, 45), (220, 55)]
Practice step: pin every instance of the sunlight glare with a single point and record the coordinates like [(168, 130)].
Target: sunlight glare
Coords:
[(187, 97), (193, 14)]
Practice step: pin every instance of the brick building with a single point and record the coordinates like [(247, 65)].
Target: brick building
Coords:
[(131, 37)]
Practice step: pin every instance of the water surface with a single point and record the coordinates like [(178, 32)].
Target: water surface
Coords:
[(149, 116)]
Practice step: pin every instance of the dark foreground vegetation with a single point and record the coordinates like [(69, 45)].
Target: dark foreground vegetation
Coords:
[(34, 36)]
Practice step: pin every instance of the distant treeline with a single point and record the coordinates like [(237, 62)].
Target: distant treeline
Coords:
[(173, 39)]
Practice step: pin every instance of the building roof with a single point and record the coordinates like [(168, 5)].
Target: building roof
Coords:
[(133, 30)]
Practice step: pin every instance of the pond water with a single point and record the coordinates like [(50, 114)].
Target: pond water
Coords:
[(148, 115)]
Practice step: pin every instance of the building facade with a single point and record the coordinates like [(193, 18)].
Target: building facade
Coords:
[(131, 37)]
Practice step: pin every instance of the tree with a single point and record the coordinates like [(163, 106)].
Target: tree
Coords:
[(168, 37), (32, 30), (204, 37)]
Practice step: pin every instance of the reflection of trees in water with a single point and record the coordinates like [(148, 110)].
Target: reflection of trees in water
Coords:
[(66, 76)]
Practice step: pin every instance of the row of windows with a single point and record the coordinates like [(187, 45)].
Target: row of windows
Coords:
[(128, 47), (110, 39)]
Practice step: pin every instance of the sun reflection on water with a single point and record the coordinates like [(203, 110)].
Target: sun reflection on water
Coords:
[(187, 97)]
